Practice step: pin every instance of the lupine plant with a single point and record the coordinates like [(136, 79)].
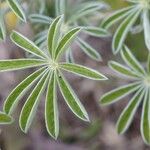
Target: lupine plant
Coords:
[(76, 15), (16, 8), (48, 75), (139, 87), (139, 9)]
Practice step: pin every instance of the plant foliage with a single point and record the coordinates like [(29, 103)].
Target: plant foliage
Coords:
[(139, 88), (48, 76), (16, 8), (73, 17), (139, 9)]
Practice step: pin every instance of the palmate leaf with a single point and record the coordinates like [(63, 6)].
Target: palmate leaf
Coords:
[(118, 93), (145, 119), (14, 5), (90, 51), (128, 113), (5, 119), (16, 64), (29, 109), (51, 108), (131, 61), (13, 98), (71, 99), (82, 71), (146, 26), (49, 73), (123, 30)]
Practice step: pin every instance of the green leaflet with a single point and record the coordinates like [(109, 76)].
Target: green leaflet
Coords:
[(2, 27), (69, 56), (122, 69), (145, 119), (131, 61), (60, 6), (71, 99), (5, 119), (96, 32), (148, 64), (118, 93), (115, 17), (26, 44), (54, 34), (65, 42), (128, 113), (123, 30), (51, 108), (17, 9), (16, 94), (29, 109), (40, 35), (90, 51), (146, 26), (82, 71), (41, 40), (39, 18), (16, 64), (84, 9)]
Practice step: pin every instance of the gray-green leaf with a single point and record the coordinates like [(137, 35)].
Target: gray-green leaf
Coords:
[(128, 113), (54, 34), (71, 99), (2, 27), (16, 64), (51, 108), (14, 5), (26, 44), (39, 18), (90, 51), (122, 69), (122, 31), (118, 93), (146, 26), (145, 119), (96, 32), (16, 94), (66, 41), (29, 109), (131, 61), (83, 71), (116, 16)]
